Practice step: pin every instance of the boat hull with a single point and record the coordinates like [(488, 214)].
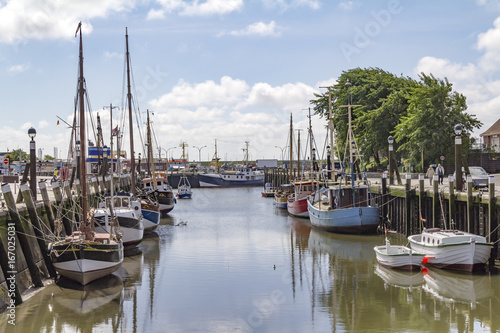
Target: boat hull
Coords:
[(151, 216), (298, 207), (399, 257), (356, 220), (86, 262), (184, 195), (217, 180), (132, 229), (465, 256)]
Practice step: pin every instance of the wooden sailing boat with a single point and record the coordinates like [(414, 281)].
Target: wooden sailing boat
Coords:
[(85, 255), (345, 209), (282, 193)]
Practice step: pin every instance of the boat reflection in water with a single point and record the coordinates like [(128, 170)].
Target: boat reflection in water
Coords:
[(399, 278), (90, 299), (453, 287)]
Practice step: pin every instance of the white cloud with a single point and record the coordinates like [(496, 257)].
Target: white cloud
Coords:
[(349, 5), (196, 8), (258, 28), (489, 43), (23, 20), (287, 97), (18, 68), (287, 4), (210, 93)]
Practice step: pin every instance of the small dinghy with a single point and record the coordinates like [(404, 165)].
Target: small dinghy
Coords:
[(398, 256)]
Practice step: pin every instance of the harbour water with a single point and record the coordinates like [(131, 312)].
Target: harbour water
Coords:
[(228, 261)]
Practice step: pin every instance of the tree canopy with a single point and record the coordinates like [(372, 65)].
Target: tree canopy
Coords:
[(418, 114)]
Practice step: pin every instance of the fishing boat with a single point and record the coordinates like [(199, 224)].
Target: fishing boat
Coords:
[(268, 190), (85, 255), (347, 208), (398, 256), (281, 195), (452, 249), (244, 175), (184, 188), (158, 189), (128, 214), (303, 187)]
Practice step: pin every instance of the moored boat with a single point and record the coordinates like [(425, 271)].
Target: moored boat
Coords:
[(452, 249), (281, 195), (268, 190), (85, 256), (297, 201), (184, 188), (162, 192), (398, 256)]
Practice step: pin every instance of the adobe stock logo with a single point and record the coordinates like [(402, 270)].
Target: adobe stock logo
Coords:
[(372, 28)]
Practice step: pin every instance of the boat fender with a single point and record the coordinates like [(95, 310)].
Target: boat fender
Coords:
[(136, 208), (49, 247)]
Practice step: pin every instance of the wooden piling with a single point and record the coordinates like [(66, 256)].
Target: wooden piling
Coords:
[(39, 230), (23, 232), (62, 206), (435, 201), (451, 201), (407, 214), (469, 203), (47, 204), (421, 195)]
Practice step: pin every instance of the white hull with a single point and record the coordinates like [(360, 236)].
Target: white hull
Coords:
[(86, 270), (398, 256), (452, 249)]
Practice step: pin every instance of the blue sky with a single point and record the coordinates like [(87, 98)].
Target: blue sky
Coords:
[(231, 70)]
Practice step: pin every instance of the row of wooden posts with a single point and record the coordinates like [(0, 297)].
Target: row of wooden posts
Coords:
[(409, 207), (25, 253)]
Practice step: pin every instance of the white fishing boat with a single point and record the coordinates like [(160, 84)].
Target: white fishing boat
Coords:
[(128, 214), (268, 190), (452, 249), (85, 256), (398, 256), (158, 189), (281, 195), (184, 188)]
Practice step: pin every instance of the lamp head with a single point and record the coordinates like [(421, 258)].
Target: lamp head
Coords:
[(390, 139), (32, 133), (458, 129)]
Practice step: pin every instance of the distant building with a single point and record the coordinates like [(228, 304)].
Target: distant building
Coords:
[(491, 137), (267, 163)]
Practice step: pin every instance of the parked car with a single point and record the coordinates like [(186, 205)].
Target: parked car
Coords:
[(479, 177)]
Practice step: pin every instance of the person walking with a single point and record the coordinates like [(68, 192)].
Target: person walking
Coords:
[(440, 172), (430, 174)]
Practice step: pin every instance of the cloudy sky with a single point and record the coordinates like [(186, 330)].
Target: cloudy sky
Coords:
[(231, 70)]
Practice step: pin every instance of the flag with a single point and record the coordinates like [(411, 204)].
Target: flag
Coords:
[(7, 149), (114, 132), (78, 28), (58, 122)]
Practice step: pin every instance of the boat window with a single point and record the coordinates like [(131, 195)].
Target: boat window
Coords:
[(125, 202), (117, 202), (424, 239), (158, 183), (433, 242), (438, 242)]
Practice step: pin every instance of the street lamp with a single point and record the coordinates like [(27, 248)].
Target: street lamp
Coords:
[(282, 150), (390, 140), (458, 156), (32, 134), (199, 152)]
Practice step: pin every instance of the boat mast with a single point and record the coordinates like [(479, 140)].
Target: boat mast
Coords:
[(150, 152), (298, 154), (350, 136), (130, 122), (83, 172), (291, 148)]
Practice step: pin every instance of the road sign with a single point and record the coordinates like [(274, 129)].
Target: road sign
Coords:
[(6, 161), (442, 158)]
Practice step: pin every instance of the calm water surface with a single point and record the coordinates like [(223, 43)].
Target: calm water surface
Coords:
[(228, 261)]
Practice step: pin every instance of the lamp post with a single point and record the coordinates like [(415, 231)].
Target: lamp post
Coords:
[(390, 140), (139, 166), (199, 152), (32, 134), (458, 156), (282, 150)]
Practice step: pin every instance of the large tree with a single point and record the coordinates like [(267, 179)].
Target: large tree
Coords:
[(419, 114), (433, 111), (17, 154)]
